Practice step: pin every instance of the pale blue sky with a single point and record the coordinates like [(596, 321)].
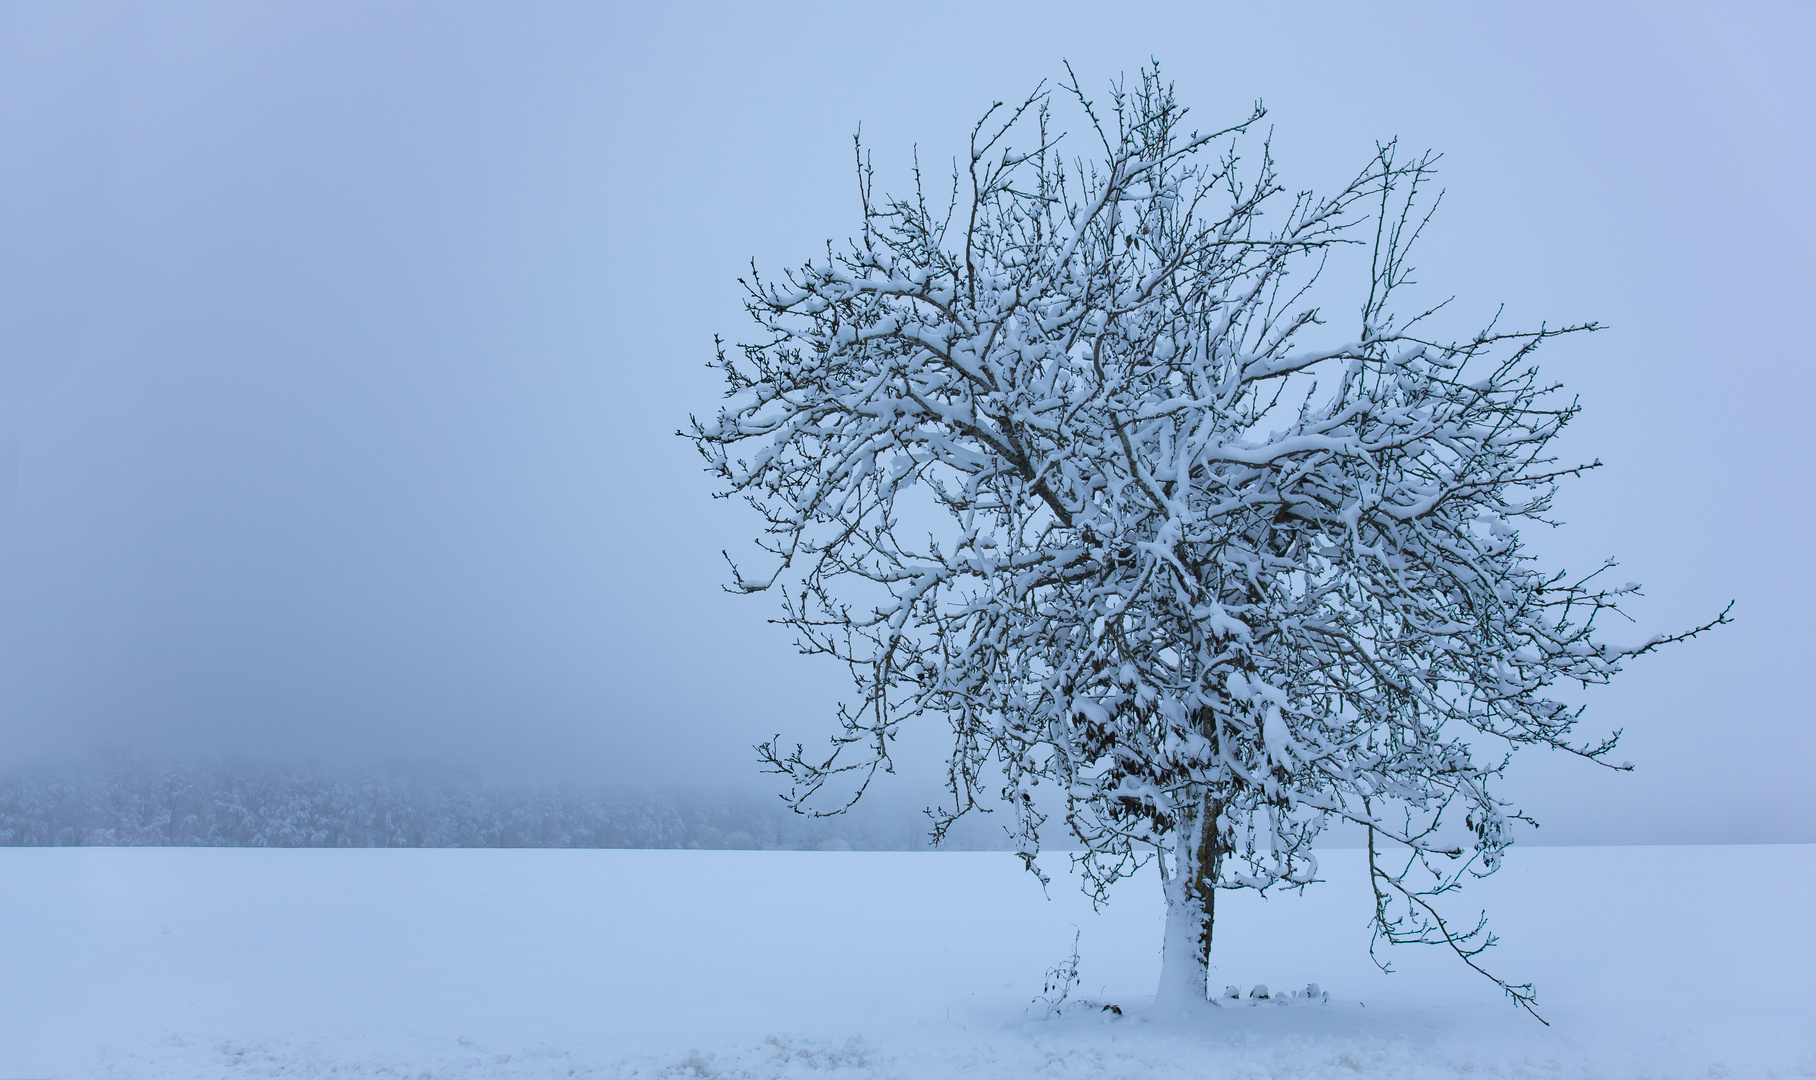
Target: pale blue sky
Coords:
[(341, 348)]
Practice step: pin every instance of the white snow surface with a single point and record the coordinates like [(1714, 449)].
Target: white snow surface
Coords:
[(1654, 962)]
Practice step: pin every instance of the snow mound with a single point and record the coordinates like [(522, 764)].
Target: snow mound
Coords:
[(1313, 994)]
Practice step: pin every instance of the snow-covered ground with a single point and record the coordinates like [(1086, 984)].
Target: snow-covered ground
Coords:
[(1651, 962)]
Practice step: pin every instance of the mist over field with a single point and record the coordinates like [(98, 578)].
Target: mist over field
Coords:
[(131, 802), (342, 348)]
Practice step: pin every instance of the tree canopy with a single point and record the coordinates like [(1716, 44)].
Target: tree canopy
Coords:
[(1079, 459)]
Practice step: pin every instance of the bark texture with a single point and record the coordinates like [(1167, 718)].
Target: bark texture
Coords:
[(1191, 896)]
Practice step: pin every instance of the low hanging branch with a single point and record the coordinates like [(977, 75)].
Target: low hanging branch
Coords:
[(1056, 462)]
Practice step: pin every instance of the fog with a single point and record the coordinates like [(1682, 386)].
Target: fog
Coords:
[(342, 350)]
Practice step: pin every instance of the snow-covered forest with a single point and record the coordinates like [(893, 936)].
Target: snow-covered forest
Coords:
[(141, 803)]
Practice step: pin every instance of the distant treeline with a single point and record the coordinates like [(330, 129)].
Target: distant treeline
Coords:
[(241, 804)]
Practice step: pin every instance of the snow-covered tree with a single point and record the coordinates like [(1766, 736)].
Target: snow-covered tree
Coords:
[(1074, 459)]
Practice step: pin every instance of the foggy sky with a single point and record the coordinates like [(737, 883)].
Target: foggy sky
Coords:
[(342, 349)]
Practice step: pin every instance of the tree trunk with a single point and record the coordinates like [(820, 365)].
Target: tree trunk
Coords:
[(1191, 894)]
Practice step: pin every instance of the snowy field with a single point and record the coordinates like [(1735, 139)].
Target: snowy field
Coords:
[(1650, 962)]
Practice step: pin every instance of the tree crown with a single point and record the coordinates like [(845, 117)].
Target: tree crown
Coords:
[(1072, 460)]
